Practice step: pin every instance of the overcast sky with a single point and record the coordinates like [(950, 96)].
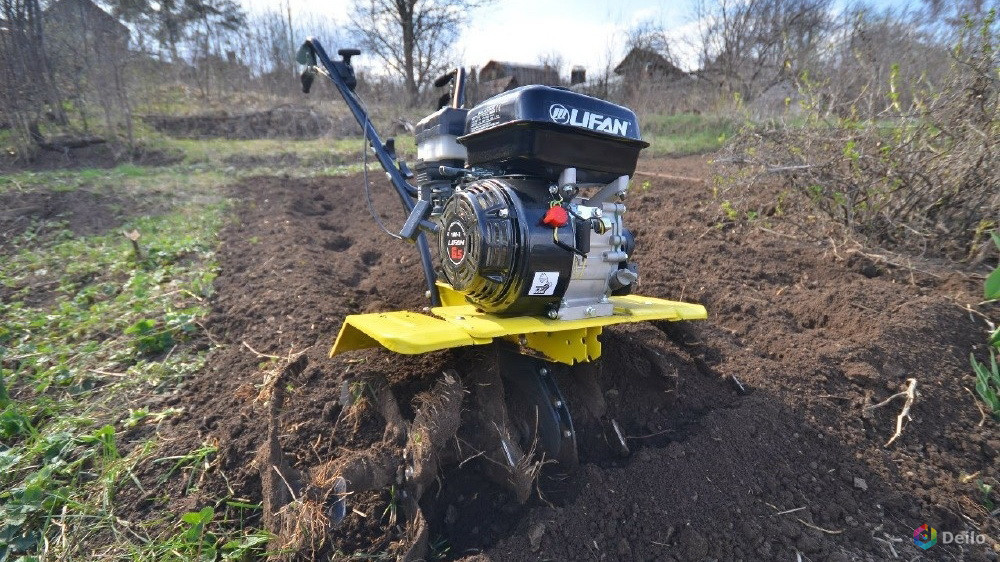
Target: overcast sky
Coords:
[(583, 32)]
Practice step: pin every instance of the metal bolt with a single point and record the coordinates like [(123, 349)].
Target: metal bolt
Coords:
[(558, 403), (543, 371), (567, 434), (553, 314), (503, 213), (590, 311), (604, 299)]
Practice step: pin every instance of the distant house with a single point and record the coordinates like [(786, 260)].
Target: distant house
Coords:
[(645, 65), (82, 24), (524, 74), (498, 76), (645, 74)]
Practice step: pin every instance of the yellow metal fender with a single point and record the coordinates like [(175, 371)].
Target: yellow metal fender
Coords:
[(458, 324)]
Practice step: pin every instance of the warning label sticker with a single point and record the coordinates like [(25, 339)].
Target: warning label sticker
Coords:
[(544, 283)]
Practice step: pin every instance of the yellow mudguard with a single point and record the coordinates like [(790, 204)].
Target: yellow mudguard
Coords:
[(457, 325)]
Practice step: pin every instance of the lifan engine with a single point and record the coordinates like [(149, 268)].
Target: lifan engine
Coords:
[(522, 198), (526, 191)]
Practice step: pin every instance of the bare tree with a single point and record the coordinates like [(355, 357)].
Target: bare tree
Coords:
[(909, 159), (171, 22), (941, 17), (28, 89), (649, 35), (89, 53), (750, 45), (412, 37), (552, 59), (874, 60)]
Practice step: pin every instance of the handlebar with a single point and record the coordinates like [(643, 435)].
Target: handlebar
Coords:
[(341, 73)]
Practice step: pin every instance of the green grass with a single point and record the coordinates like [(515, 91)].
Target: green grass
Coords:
[(685, 133), (200, 173), (89, 331), (988, 375), (300, 154), (172, 182)]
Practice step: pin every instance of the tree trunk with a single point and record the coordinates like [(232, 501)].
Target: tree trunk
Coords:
[(409, 43), (48, 83)]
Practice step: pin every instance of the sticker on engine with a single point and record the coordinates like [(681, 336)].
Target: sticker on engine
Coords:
[(455, 240), (485, 118), (544, 283)]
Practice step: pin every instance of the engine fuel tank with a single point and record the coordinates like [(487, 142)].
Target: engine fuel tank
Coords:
[(540, 130)]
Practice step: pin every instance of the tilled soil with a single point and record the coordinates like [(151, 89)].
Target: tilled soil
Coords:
[(751, 434), (84, 211)]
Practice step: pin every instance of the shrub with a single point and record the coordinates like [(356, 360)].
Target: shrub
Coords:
[(920, 177)]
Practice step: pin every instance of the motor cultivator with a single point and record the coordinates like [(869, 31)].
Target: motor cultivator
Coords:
[(521, 198)]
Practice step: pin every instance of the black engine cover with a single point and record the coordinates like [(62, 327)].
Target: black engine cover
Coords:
[(493, 247), (540, 131)]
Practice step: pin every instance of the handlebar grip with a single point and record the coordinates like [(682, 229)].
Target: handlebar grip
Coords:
[(346, 54), (444, 79)]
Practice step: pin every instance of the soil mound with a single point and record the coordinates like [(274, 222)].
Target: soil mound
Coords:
[(751, 434), (107, 155)]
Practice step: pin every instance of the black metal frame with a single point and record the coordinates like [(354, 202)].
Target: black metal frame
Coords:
[(341, 73)]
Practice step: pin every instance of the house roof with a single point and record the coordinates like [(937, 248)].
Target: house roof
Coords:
[(644, 60), (524, 73), (86, 9)]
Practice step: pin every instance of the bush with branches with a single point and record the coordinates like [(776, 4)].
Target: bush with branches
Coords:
[(919, 175)]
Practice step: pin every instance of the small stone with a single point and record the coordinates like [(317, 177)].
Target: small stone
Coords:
[(330, 410), (675, 450), (535, 533), (860, 484), (838, 557)]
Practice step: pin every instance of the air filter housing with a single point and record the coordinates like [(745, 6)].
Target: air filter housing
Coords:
[(540, 131)]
